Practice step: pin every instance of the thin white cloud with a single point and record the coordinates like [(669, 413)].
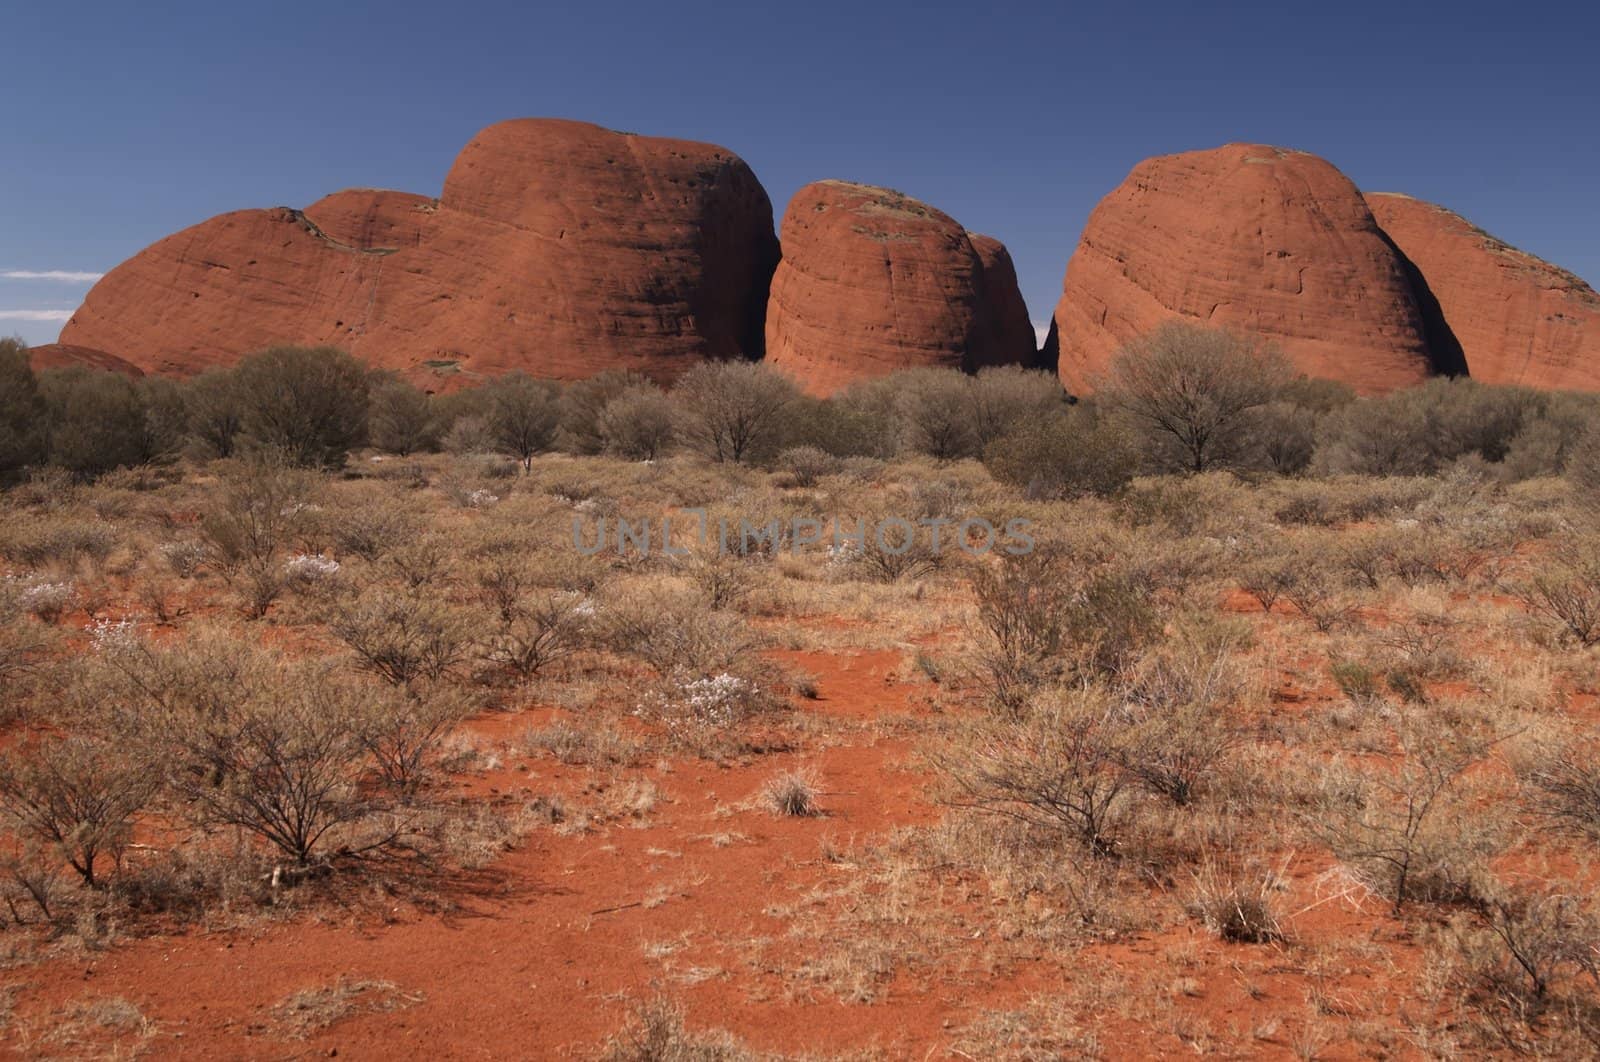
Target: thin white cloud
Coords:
[(35, 315), (1040, 330), (70, 276)]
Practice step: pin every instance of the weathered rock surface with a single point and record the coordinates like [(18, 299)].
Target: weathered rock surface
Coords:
[(873, 281), (62, 356), (1515, 318), (1005, 331), (557, 247), (1256, 238)]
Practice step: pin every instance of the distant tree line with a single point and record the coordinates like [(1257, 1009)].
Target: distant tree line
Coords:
[(1183, 399)]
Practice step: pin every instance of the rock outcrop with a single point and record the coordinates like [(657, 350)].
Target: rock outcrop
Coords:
[(557, 247), (1256, 238), (872, 281), (1005, 333), (63, 356), (1513, 318)]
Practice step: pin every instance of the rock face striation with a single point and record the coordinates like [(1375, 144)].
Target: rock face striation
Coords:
[(565, 249), (557, 247), (1251, 237), (873, 281), (1514, 318), (62, 356)]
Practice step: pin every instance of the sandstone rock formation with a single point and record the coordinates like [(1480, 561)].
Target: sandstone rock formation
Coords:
[(557, 247), (872, 281), (62, 356), (1514, 318), (1005, 333), (1251, 237)]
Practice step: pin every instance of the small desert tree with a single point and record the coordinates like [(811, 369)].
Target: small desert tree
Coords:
[(307, 405), (733, 410), (1582, 467), (22, 409), (1065, 453), (76, 795), (584, 401), (1193, 394), (165, 423), (401, 419), (1003, 398), (639, 423), (936, 413), (215, 411), (96, 418), (1386, 436), (523, 415)]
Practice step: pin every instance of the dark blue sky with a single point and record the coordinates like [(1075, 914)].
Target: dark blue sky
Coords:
[(123, 122)]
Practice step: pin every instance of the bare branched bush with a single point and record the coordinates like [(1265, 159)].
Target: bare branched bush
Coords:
[(896, 551), (1266, 580), (22, 655), (280, 750), (408, 732), (1406, 828), (288, 769), (403, 637), (673, 629), (537, 629), (1529, 963), (259, 512), (370, 529), (1566, 592), (1318, 594), (726, 579), (1041, 616), (61, 543), (75, 795), (1056, 766), (422, 561), (805, 465), (1358, 681), (1175, 705), (1562, 785), (1022, 632), (733, 410), (1194, 394)]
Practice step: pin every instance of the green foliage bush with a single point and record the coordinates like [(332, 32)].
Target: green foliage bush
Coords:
[(306, 406), (22, 410)]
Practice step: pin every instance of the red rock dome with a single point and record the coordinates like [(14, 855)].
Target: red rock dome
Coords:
[(1256, 238), (872, 281), (557, 247), (1515, 319)]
